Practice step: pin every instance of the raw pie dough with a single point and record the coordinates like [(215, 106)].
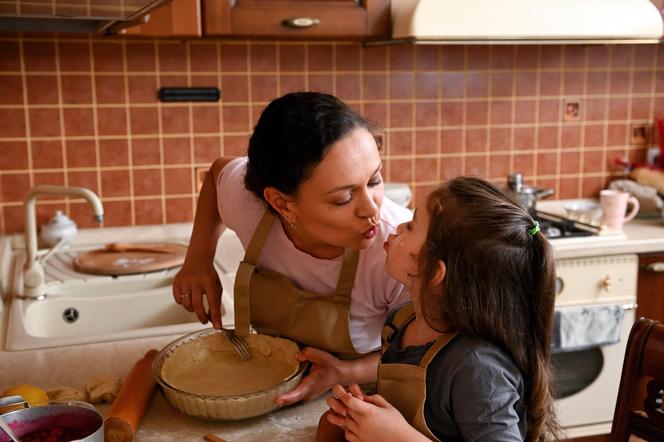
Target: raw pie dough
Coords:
[(211, 366), (65, 394), (103, 389)]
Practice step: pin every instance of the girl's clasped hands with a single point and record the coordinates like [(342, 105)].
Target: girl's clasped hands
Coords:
[(367, 417)]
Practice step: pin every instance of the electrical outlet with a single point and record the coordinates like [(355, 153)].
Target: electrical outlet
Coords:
[(571, 109), (640, 134)]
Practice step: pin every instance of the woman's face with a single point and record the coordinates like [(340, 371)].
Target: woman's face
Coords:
[(403, 249), (334, 207)]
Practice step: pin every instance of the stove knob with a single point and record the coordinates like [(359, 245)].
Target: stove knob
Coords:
[(606, 283)]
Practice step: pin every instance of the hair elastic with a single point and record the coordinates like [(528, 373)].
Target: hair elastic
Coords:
[(533, 230)]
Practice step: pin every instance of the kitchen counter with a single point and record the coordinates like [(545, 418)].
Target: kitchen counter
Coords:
[(75, 365), (637, 236), (640, 236)]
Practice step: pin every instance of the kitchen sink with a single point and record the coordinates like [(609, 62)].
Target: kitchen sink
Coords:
[(82, 308)]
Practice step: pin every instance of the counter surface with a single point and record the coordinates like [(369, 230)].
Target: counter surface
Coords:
[(74, 366), (640, 236)]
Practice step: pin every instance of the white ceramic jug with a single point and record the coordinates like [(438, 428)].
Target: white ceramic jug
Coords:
[(59, 227)]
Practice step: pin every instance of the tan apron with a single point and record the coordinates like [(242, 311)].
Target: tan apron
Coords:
[(273, 305), (404, 385)]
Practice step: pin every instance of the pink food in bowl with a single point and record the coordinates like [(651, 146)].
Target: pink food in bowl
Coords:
[(54, 423)]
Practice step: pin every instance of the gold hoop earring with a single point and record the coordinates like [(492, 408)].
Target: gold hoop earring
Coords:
[(291, 224)]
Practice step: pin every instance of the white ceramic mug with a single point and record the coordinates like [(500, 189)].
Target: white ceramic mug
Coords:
[(614, 205)]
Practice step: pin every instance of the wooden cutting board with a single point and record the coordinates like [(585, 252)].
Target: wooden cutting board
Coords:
[(110, 262)]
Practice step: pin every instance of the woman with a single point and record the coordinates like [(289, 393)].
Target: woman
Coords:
[(307, 205)]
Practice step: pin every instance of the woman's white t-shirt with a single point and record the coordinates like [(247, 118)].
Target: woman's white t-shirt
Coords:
[(374, 293)]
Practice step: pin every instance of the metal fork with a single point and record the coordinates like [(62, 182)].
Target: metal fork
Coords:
[(240, 344)]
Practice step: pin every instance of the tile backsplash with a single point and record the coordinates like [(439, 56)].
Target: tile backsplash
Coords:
[(83, 111)]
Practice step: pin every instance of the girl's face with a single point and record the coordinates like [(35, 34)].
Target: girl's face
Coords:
[(334, 207), (403, 249)]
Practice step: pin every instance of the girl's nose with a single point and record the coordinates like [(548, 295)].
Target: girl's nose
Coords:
[(400, 228)]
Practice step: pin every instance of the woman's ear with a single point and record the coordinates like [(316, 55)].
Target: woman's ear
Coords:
[(282, 203), (439, 276)]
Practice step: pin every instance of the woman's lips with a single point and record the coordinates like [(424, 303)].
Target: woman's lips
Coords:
[(369, 234)]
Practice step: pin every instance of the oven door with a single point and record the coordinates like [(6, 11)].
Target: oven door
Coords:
[(586, 382)]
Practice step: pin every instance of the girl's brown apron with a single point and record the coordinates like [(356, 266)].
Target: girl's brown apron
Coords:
[(404, 385), (273, 305)]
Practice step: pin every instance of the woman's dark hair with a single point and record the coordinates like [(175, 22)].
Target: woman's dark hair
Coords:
[(499, 285), (292, 136)]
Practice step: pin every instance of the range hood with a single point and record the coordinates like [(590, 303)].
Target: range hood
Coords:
[(98, 16), (525, 21)]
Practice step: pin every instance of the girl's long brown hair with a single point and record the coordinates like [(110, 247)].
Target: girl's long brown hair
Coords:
[(499, 284)]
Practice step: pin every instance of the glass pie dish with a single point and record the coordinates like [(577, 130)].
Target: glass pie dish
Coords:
[(217, 405)]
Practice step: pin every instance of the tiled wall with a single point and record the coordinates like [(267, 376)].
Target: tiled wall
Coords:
[(83, 112)]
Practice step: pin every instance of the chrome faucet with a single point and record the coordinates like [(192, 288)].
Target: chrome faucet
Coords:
[(33, 271)]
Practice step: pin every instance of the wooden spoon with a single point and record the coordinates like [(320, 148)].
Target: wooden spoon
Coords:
[(126, 247)]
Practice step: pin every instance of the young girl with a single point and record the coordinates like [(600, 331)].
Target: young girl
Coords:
[(468, 359)]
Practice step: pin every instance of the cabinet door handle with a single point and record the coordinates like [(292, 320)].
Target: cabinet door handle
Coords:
[(655, 267), (301, 22)]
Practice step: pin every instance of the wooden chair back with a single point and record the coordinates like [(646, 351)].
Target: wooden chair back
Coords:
[(639, 410)]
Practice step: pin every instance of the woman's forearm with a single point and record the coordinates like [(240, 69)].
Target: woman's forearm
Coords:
[(361, 371)]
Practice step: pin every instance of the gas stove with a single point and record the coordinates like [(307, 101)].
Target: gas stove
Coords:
[(562, 228)]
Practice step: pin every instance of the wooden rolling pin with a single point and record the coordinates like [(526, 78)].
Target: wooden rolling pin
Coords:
[(133, 399)]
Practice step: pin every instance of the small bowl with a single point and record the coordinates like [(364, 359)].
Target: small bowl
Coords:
[(585, 211), (226, 408)]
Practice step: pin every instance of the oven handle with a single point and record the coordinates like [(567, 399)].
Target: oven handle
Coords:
[(655, 267)]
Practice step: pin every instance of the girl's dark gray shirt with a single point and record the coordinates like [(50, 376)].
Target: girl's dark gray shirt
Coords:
[(474, 390)]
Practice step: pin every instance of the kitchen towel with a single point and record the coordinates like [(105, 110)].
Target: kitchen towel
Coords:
[(586, 326)]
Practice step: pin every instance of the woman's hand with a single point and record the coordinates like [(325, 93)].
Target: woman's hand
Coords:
[(326, 370), (198, 278), (372, 418)]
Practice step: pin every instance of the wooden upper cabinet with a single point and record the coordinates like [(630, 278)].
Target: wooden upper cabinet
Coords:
[(179, 18), (345, 19)]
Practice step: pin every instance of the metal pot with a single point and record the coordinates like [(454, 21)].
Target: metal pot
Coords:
[(525, 195), (76, 417)]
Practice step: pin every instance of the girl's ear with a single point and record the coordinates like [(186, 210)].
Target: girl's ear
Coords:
[(439, 276), (282, 203)]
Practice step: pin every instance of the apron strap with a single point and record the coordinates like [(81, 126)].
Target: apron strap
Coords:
[(395, 321), (241, 298), (258, 238), (435, 348), (244, 273), (347, 275)]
